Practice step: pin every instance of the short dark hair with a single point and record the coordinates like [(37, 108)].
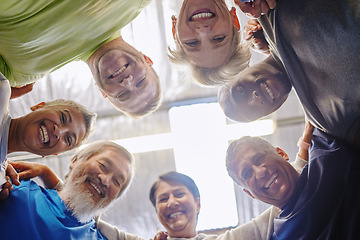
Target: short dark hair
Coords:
[(175, 177)]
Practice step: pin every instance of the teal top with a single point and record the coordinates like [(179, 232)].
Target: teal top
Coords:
[(39, 36)]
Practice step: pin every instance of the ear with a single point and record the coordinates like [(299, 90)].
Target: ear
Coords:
[(282, 153), (37, 106), (198, 204), (148, 60), (174, 21), (248, 193), (234, 18)]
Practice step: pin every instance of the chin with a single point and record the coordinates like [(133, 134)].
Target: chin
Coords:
[(82, 205)]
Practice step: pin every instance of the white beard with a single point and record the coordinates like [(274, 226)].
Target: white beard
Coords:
[(80, 201)]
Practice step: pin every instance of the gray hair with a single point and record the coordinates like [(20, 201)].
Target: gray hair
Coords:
[(98, 147), (238, 61), (233, 148)]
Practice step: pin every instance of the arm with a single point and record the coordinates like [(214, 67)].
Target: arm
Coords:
[(19, 91), (31, 169), (259, 228), (305, 141), (254, 34), (257, 7), (111, 232)]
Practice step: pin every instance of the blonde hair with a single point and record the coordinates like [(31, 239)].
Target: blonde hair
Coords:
[(238, 61)]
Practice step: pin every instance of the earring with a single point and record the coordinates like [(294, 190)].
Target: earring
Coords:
[(235, 19), (174, 21), (148, 60), (37, 106)]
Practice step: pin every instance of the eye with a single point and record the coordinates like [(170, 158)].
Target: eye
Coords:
[(240, 90), (192, 43), (179, 195), (123, 96), (62, 118), (116, 182), (102, 166), (140, 82), (258, 159), (219, 39), (68, 140), (163, 199), (246, 173)]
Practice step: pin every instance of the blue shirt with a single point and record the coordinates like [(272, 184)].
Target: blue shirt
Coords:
[(32, 212), (325, 204)]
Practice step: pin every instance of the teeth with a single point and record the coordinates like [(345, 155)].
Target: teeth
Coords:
[(96, 188), (271, 180), (120, 71), (271, 94), (201, 15), (174, 215), (44, 134)]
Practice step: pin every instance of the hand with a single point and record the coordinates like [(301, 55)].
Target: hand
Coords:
[(8, 186), (19, 91), (308, 132), (28, 170), (161, 235), (257, 7), (253, 33)]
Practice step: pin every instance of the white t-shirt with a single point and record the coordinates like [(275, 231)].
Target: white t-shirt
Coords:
[(5, 119)]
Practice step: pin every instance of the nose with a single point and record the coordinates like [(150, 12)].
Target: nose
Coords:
[(105, 179), (128, 81), (59, 131), (203, 28), (256, 98), (259, 171), (172, 202)]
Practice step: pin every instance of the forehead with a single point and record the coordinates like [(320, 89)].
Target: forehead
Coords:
[(117, 160), (166, 187)]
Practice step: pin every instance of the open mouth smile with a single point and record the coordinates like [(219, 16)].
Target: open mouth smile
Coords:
[(201, 15), (97, 189), (268, 92), (271, 181), (175, 215), (119, 71), (44, 136)]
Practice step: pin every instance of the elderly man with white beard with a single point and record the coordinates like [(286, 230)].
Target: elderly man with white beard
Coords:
[(98, 175)]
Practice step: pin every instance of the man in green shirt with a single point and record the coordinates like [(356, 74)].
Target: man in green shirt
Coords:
[(38, 37)]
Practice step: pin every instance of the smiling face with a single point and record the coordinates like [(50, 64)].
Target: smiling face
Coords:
[(51, 130), (258, 91), (124, 76), (205, 32), (265, 173), (104, 174), (177, 209), (97, 181)]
